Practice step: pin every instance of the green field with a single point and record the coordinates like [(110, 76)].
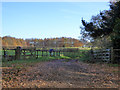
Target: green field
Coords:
[(81, 54)]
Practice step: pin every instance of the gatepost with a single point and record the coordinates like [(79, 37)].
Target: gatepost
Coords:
[(17, 53)]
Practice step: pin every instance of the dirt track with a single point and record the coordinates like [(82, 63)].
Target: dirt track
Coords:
[(62, 74)]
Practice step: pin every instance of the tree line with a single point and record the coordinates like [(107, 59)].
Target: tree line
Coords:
[(8, 41), (104, 29)]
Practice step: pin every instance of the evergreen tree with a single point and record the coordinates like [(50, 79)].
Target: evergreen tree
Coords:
[(105, 23)]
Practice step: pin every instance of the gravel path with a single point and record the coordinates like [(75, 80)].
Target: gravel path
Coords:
[(63, 74)]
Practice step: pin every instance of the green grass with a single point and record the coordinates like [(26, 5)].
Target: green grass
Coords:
[(113, 65), (20, 63), (76, 55), (9, 52), (31, 60)]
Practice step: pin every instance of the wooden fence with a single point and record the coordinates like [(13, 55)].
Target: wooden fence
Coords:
[(24, 53), (115, 55), (19, 53), (107, 55), (103, 54)]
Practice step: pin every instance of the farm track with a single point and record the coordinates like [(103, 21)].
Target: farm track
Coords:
[(62, 74)]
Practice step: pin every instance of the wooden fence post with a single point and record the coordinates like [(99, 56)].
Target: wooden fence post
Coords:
[(54, 53), (5, 54), (46, 52), (59, 52), (37, 55), (31, 51), (112, 54), (24, 53), (35, 52), (92, 55), (42, 52), (18, 52)]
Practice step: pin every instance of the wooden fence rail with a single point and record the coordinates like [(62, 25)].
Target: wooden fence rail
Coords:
[(103, 55), (19, 53), (116, 55), (107, 55)]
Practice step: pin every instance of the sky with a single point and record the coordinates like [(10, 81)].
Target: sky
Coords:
[(47, 19)]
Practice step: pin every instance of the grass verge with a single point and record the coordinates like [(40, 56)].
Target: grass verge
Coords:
[(27, 62)]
